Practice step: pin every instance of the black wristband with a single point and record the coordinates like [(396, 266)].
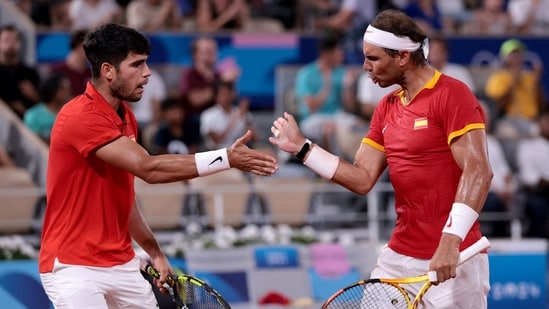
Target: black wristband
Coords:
[(301, 154)]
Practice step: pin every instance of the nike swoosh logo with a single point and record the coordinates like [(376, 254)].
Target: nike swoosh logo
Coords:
[(449, 222), (220, 159)]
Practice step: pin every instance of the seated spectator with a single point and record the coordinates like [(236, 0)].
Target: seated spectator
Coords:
[(490, 19), (18, 81), (153, 15), (147, 110), (223, 123), (219, 15), (428, 17), (516, 91), (50, 15), (284, 11), (530, 16), (89, 14), (198, 81), (439, 53), (324, 92), (171, 136), (349, 21), (75, 65), (503, 186), (533, 167), (54, 93), (369, 94)]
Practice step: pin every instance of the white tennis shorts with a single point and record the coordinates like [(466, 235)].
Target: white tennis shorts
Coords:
[(468, 290), (84, 287)]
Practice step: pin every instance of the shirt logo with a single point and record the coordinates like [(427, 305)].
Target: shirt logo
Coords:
[(421, 123)]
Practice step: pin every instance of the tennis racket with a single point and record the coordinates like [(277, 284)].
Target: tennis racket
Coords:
[(188, 292), (387, 293)]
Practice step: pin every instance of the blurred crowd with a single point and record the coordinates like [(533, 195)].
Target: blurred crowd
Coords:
[(474, 17), (334, 102)]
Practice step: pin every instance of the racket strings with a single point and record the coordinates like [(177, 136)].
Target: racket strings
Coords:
[(371, 295), (197, 296)]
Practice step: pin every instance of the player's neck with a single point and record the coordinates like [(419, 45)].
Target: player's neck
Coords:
[(415, 80)]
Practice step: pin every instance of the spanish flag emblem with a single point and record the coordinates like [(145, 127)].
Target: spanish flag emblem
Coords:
[(421, 123)]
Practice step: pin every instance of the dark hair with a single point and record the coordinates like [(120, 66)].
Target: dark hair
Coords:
[(169, 103), (51, 85), (223, 84), (11, 28), (194, 43), (328, 42), (112, 43), (77, 38), (400, 24)]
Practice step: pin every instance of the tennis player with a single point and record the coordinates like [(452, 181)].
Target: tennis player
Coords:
[(430, 133), (86, 257)]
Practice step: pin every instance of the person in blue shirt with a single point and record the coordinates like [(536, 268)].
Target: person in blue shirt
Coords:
[(54, 93), (323, 90)]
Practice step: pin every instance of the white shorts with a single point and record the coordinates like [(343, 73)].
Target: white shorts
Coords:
[(85, 287), (468, 290)]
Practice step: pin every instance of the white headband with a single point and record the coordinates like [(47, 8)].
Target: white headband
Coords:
[(389, 40)]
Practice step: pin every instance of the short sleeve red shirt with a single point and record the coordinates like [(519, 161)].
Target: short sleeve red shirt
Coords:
[(416, 139), (88, 200)]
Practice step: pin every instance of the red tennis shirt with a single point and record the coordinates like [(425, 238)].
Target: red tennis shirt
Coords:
[(416, 139), (88, 200)]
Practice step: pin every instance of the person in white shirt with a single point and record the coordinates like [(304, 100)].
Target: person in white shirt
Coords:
[(439, 53), (222, 123), (533, 165), (89, 14), (503, 186)]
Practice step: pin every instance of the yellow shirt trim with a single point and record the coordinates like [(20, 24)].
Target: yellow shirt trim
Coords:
[(370, 142), (429, 85), (467, 128)]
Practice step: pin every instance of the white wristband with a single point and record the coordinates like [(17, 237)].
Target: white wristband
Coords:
[(210, 162), (460, 220), (322, 162)]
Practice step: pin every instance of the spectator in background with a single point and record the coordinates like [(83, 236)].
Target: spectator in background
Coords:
[(147, 109), (89, 14), (18, 81), (285, 11), (349, 21), (153, 15), (54, 93), (219, 15), (369, 94), (490, 19), (504, 185), (530, 16), (439, 53), (198, 81), (516, 90), (47, 14), (323, 90), (427, 15), (171, 136), (75, 65), (533, 166), (222, 123)]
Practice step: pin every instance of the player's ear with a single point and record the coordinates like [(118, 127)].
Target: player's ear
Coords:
[(107, 70)]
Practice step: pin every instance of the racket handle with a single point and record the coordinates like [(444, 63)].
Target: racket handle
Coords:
[(480, 245)]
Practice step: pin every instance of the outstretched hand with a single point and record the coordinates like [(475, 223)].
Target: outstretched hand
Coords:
[(250, 160), (286, 134)]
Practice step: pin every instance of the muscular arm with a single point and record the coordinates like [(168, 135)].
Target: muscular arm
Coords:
[(471, 155), (362, 175), (130, 156)]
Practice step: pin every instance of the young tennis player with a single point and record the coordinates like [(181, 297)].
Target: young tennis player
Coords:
[(430, 133), (86, 257)]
